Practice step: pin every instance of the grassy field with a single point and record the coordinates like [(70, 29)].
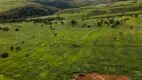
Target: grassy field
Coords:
[(44, 56)]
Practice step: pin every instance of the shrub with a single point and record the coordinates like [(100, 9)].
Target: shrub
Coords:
[(27, 55), (115, 38), (118, 22), (99, 24), (120, 33), (23, 42), (73, 22), (81, 74), (131, 27), (74, 45), (0, 28), (53, 29), (84, 25), (56, 22), (16, 29), (105, 22), (126, 19), (5, 29), (18, 48), (55, 34), (62, 22), (137, 16), (11, 48), (111, 21), (89, 26), (113, 25), (4, 55)]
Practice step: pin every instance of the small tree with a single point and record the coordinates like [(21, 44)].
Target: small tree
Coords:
[(111, 21), (137, 16), (99, 24), (0, 28), (5, 29), (18, 48), (73, 22), (117, 22), (4, 55), (89, 26), (11, 48), (16, 29), (62, 22)]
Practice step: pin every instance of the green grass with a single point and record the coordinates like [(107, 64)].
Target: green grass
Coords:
[(54, 58), (57, 58), (7, 4)]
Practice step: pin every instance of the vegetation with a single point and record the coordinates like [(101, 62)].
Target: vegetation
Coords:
[(102, 38), (32, 10), (63, 4)]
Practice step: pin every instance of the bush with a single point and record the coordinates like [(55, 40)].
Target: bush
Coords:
[(120, 33), (4, 55), (16, 29), (18, 48), (89, 26), (62, 22), (111, 21), (84, 25), (118, 22), (74, 45), (115, 38), (105, 22), (99, 24), (5, 29), (0, 28), (136, 16), (11, 48), (81, 75), (73, 22), (23, 42)]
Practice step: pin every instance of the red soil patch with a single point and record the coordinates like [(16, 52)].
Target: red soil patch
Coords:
[(96, 76)]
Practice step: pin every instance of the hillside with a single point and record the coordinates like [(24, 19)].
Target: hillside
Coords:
[(73, 3), (28, 11), (7, 4), (97, 42)]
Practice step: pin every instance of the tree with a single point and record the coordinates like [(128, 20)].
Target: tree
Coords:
[(111, 21), (99, 24), (137, 16), (16, 29), (11, 48), (117, 22), (5, 29), (73, 22), (62, 22), (4, 55)]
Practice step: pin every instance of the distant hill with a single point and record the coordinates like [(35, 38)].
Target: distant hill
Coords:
[(32, 10), (7, 4), (73, 3), (18, 9)]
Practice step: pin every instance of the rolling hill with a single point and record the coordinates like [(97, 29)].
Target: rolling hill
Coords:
[(71, 44), (7, 4), (73, 3), (28, 11)]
